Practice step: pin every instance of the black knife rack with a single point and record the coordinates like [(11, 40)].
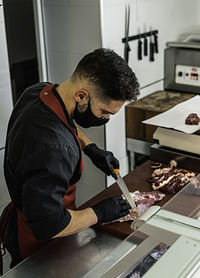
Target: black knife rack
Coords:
[(140, 36)]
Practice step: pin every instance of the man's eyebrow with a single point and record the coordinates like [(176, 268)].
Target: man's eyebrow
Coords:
[(106, 112)]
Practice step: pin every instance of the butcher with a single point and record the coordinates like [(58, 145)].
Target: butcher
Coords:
[(43, 153)]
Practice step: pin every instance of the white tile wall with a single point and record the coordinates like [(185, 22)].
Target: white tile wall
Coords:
[(58, 62), (197, 15), (114, 129), (93, 180), (4, 195), (5, 111), (4, 70), (171, 18), (151, 89)]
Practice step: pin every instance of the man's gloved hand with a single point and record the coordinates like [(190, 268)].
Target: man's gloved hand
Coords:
[(111, 209), (102, 159)]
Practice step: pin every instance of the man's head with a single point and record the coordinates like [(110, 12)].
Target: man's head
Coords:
[(110, 75), (101, 83)]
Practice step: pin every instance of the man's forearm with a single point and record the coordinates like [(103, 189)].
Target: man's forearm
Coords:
[(80, 220), (84, 140)]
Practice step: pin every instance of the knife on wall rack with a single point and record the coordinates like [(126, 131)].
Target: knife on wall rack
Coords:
[(127, 23)]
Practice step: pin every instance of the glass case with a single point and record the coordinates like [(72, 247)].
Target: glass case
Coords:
[(166, 244)]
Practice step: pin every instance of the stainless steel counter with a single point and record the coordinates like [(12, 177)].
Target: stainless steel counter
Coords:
[(71, 256)]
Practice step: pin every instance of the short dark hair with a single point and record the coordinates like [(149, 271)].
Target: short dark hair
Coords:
[(110, 73)]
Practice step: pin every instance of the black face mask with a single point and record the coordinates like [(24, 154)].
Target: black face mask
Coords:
[(87, 119)]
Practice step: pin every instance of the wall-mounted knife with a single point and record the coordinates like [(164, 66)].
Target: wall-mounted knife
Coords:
[(127, 22)]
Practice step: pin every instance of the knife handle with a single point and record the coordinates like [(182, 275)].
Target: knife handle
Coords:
[(151, 49), (126, 52), (156, 43), (145, 46), (139, 49), (116, 171)]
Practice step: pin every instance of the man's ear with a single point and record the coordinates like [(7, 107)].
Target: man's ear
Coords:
[(81, 96)]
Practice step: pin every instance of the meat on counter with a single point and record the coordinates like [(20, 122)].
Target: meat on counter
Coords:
[(192, 119), (143, 200), (170, 179)]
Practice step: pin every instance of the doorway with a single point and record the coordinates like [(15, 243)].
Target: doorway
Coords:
[(21, 41)]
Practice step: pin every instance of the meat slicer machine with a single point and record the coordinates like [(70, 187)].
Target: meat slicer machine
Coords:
[(165, 242)]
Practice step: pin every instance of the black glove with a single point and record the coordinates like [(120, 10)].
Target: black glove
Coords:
[(111, 209), (104, 160)]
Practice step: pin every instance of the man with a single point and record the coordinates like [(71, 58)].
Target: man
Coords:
[(43, 154)]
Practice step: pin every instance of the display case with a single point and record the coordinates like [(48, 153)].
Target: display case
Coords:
[(165, 243)]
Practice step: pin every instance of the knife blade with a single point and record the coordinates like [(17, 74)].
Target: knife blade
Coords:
[(124, 189), (127, 22)]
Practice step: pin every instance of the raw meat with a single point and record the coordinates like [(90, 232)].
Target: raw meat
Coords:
[(170, 179), (192, 119), (143, 201)]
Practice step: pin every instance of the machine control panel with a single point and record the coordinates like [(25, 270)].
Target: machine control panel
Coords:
[(187, 75)]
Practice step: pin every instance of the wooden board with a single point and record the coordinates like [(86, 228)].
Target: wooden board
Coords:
[(135, 180), (148, 107)]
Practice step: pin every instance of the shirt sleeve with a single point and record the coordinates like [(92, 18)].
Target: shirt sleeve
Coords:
[(47, 172)]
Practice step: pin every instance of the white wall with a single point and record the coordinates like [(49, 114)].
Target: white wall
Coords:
[(198, 16), (171, 18)]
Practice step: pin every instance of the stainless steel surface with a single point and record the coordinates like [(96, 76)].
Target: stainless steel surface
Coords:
[(125, 191), (138, 146), (122, 260), (124, 248), (71, 257)]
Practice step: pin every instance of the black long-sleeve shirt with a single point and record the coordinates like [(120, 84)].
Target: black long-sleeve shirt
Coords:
[(41, 161)]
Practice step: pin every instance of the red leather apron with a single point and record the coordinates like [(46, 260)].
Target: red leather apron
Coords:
[(27, 242)]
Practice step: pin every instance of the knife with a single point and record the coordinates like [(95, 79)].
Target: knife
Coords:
[(127, 21), (124, 189)]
